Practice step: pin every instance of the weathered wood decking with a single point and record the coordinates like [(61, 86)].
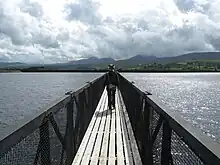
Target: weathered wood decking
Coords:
[(109, 138)]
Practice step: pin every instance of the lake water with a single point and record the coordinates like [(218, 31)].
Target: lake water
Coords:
[(196, 96), (23, 94)]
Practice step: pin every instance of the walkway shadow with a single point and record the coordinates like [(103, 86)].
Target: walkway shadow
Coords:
[(103, 113)]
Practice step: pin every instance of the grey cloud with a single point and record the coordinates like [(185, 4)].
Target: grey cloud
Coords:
[(4, 58), (193, 5), (33, 8), (56, 55), (84, 11), (63, 35), (23, 33), (119, 42), (110, 41), (185, 5), (176, 41), (159, 37), (47, 42), (22, 56), (108, 20), (214, 41), (9, 28), (184, 33)]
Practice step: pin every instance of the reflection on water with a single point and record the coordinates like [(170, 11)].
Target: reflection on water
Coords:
[(196, 96)]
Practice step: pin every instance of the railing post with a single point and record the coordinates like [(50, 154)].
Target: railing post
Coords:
[(45, 143), (166, 157), (89, 107), (70, 133), (147, 147)]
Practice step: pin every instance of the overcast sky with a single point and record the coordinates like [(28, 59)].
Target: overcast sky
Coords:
[(61, 30)]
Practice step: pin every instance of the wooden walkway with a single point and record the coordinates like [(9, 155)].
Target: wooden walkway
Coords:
[(109, 138)]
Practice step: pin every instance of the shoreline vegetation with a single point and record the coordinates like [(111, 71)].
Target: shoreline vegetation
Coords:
[(105, 70), (127, 71), (191, 62), (173, 67), (135, 71), (9, 70)]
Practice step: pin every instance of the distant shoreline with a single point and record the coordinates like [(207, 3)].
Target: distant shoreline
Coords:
[(122, 71), (105, 70), (10, 71)]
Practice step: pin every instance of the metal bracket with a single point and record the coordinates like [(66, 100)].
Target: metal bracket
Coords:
[(69, 93), (147, 93)]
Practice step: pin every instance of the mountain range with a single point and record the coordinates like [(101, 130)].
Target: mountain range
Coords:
[(144, 59), (102, 62), (92, 60)]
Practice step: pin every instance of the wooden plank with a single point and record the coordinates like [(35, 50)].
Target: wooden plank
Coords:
[(112, 156), (105, 142), (89, 148), (134, 148), (97, 148), (87, 135), (120, 153), (127, 148), (121, 134)]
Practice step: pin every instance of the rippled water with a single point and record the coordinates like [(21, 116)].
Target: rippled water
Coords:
[(196, 96), (23, 94)]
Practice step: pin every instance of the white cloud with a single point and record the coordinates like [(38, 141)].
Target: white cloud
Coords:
[(62, 30)]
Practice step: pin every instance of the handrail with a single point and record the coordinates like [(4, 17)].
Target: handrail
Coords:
[(205, 147), (15, 133), (160, 132), (44, 127), (54, 135)]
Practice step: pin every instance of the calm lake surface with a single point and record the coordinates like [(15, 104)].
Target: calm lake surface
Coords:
[(24, 94), (196, 96)]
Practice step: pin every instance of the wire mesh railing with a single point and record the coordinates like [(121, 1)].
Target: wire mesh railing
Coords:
[(162, 136), (53, 137)]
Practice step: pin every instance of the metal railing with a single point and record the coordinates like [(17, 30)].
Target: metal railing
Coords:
[(163, 137), (53, 137)]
